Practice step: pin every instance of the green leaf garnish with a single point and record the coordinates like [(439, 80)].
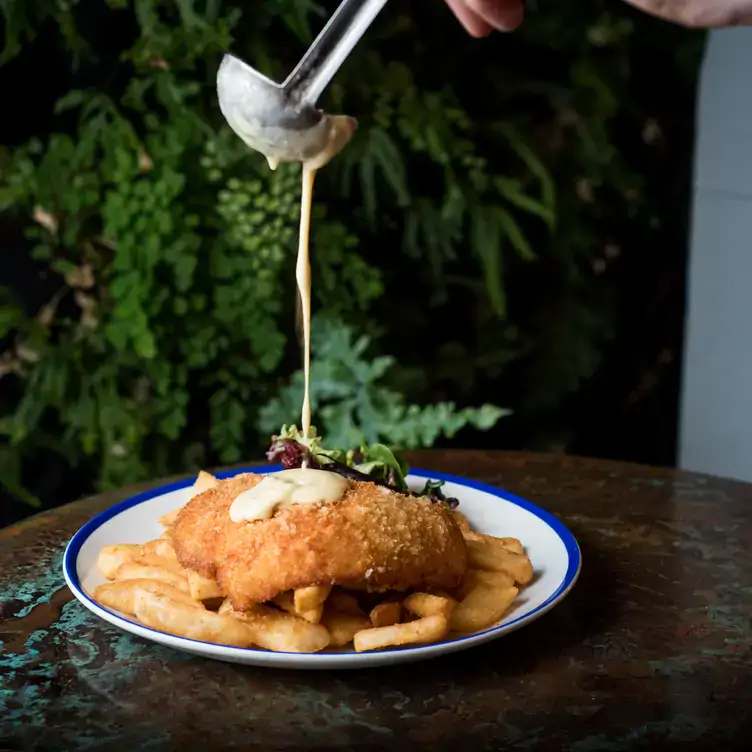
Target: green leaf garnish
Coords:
[(381, 462)]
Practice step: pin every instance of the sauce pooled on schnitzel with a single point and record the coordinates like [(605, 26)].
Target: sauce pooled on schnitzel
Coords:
[(286, 488)]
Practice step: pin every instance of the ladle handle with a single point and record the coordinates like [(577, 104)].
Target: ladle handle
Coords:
[(331, 48)]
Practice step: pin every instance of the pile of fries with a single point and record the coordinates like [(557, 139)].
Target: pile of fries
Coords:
[(148, 582)]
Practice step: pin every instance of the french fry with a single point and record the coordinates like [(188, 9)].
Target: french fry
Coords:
[(462, 521), (512, 544), (159, 553), (166, 614), (286, 601), (134, 571), (345, 603), (475, 577), (277, 631), (151, 560), (121, 595), (425, 604), (227, 609), (202, 588), (342, 627), (168, 520), (489, 595), (428, 630), (159, 548), (111, 558), (386, 614), (310, 598), (204, 481), (490, 554)]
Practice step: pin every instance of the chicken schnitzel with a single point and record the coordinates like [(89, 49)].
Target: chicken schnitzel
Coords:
[(372, 539), (200, 523)]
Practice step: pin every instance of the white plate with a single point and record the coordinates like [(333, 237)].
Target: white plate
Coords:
[(551, 547)]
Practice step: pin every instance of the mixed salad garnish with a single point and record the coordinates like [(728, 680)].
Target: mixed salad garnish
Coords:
[(375, 463)]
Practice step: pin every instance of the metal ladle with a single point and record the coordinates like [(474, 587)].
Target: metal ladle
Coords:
[(281, 120)]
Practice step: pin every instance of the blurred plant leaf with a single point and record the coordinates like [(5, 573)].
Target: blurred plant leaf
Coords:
[(355, 407)]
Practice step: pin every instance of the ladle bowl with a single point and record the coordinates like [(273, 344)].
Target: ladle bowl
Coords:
[(282, 121)]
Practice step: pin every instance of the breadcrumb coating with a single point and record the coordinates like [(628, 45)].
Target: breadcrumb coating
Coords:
[(372, 539), (199, 524)]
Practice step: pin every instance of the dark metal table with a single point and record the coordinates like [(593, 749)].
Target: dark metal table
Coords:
[(651, 650)]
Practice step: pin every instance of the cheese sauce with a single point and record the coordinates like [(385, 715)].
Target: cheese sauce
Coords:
[(300, 486), (281, 490), (341, 129), (303, 278)]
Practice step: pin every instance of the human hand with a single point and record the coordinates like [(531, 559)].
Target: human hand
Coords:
[(699, 14), (481, 17)]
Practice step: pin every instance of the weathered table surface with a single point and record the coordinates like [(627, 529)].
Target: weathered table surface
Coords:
[(651, 650)]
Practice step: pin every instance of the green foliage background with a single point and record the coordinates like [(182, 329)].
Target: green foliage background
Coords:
[(479, 168)]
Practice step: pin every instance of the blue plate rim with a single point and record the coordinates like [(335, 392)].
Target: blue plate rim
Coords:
[(574, 562)]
